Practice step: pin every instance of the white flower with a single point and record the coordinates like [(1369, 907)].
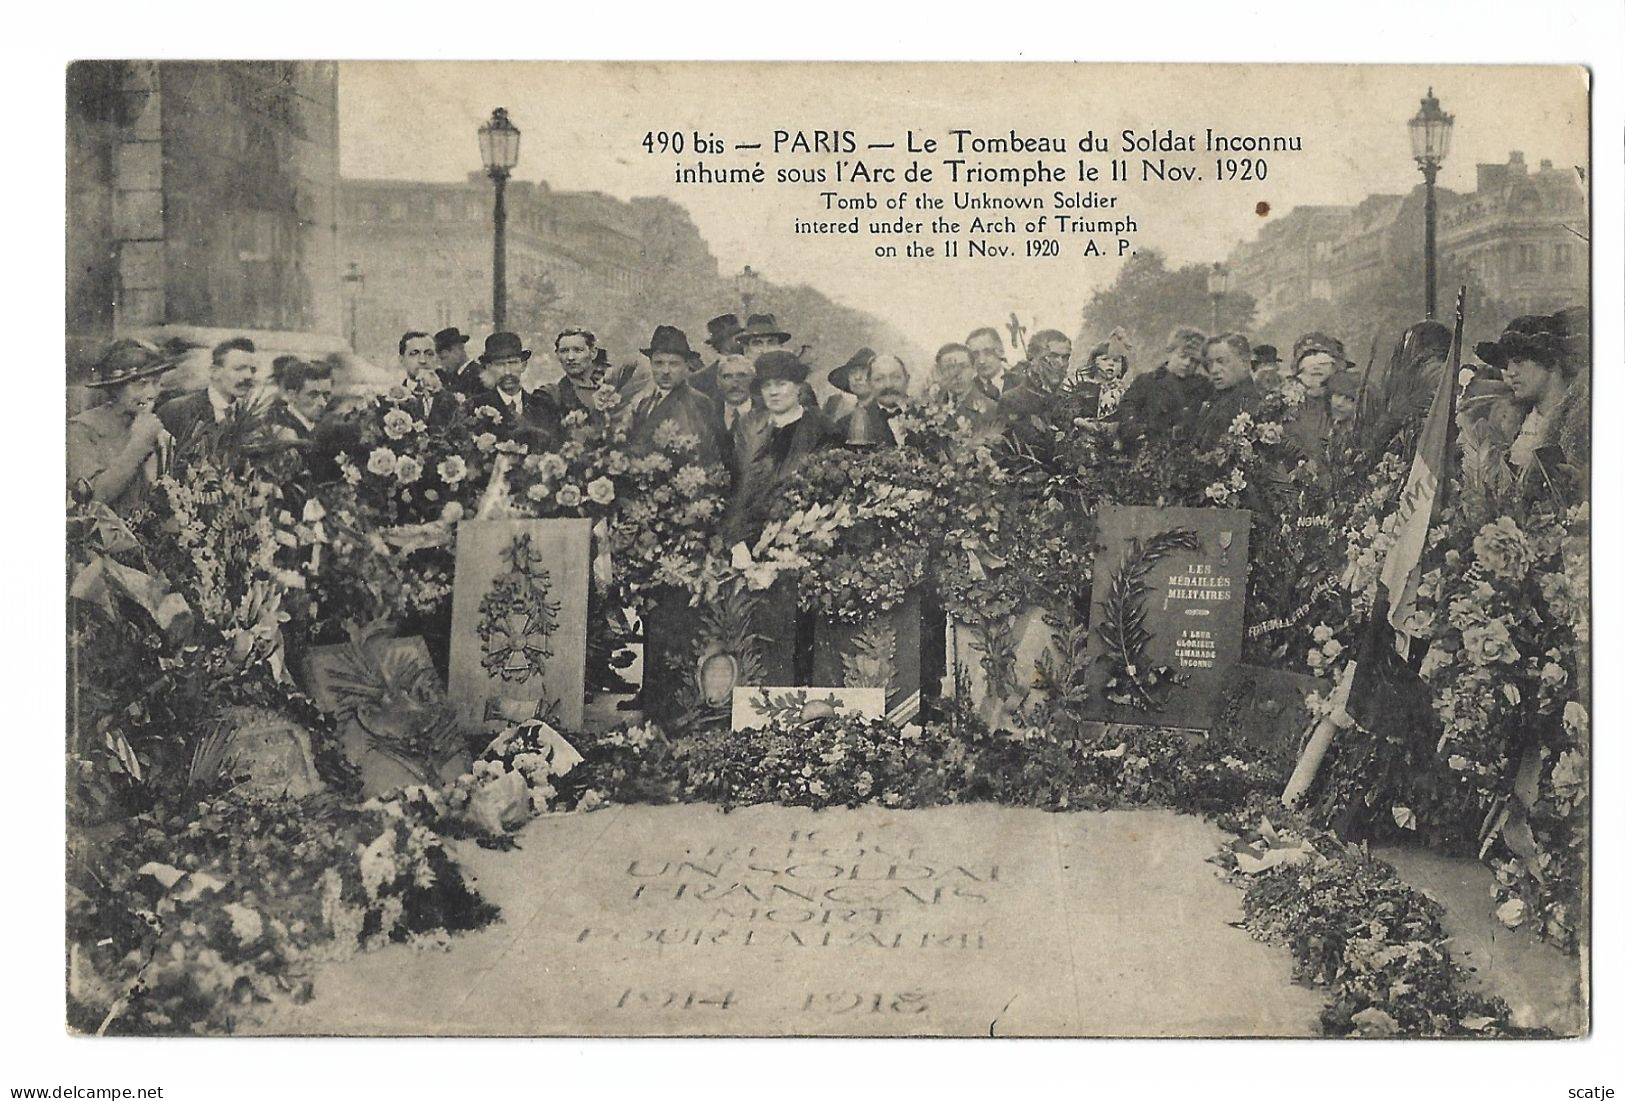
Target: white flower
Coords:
[(246, 924), (397, 423), (1322, 633), (740, 557), (1457, 762), (568, 496), (408, 469), (485, 441), (601, 491), (382, 461), (452, 513), (452, 470), (552, 466)]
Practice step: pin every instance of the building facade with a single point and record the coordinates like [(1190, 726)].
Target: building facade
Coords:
[(1520, 234), (202, 196), (418, 256), (1523, 235)]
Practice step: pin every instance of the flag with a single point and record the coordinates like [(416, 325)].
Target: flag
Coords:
[(1383, 685)]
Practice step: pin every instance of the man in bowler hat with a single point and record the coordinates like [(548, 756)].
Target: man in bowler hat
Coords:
[(723, 339), (459, 371), (530, 417), (672, 401)]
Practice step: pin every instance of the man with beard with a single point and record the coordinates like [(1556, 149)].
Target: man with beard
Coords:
[(531, 418), (1160, 404), (232, 367), (459, 371), (871, 424), (673, 402), (1230, 369)]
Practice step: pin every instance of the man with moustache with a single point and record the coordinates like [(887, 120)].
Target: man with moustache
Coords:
[(531, 418), (871, 424), (1160, 404), (736, 384), (673, 402), (232, 368)]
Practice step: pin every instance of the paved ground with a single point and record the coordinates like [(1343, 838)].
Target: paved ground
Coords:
[(959, 921), (1543, 987)]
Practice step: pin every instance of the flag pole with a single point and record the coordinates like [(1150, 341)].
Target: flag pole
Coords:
[(1400, 570)]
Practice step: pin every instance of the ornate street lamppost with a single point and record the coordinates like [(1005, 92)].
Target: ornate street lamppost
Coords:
[(1430, 143), (354, 284), (1218, 285), (747, 283), (499, 149)]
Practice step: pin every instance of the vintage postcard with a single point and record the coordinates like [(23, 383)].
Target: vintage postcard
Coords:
[(891, 550)]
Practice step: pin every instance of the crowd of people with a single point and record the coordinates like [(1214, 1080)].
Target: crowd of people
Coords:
[(748, 400)]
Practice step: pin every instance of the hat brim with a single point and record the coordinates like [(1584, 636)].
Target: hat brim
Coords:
[(132, 376), (524, 357), (782, 338)]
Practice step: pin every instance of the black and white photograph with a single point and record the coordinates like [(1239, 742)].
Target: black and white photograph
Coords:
[(827, 549)]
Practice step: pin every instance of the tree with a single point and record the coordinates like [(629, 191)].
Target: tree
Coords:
[(1149, 301)]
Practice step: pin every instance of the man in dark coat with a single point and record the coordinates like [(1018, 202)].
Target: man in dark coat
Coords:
[(673, 402), (723, 339), (578, 354), (530, 417), (1163, 402), (459, 372), (871, 424), (232, 368), (1230, 369)]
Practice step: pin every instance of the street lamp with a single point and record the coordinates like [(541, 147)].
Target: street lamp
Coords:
[(499, 149), (1218, 283), (747, 283), (354, 283), (1430, 142)]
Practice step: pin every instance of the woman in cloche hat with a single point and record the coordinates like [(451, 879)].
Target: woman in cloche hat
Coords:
[(113, 447), (1531, 357)]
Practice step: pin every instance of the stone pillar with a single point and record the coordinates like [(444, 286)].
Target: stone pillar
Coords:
[(138, 201)]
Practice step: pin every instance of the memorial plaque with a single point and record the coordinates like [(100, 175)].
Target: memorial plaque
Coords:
[(754, 708), (519, 620), (885, 651), (1166, 613), (780, 921)]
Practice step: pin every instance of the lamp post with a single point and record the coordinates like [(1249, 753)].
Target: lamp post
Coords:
[(1218, 284), (747, 283), (1430, 143), (354, 283), (499, 149)]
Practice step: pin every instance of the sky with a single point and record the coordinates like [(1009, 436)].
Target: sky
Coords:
[(583, 124)]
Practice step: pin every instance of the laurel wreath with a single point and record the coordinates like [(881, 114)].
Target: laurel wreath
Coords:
[(1131, 679)]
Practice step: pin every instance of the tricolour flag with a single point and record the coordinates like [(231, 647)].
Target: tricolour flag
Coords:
[(1382, 684)]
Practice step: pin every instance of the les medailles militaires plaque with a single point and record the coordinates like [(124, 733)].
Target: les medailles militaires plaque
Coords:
[(679, 535)]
